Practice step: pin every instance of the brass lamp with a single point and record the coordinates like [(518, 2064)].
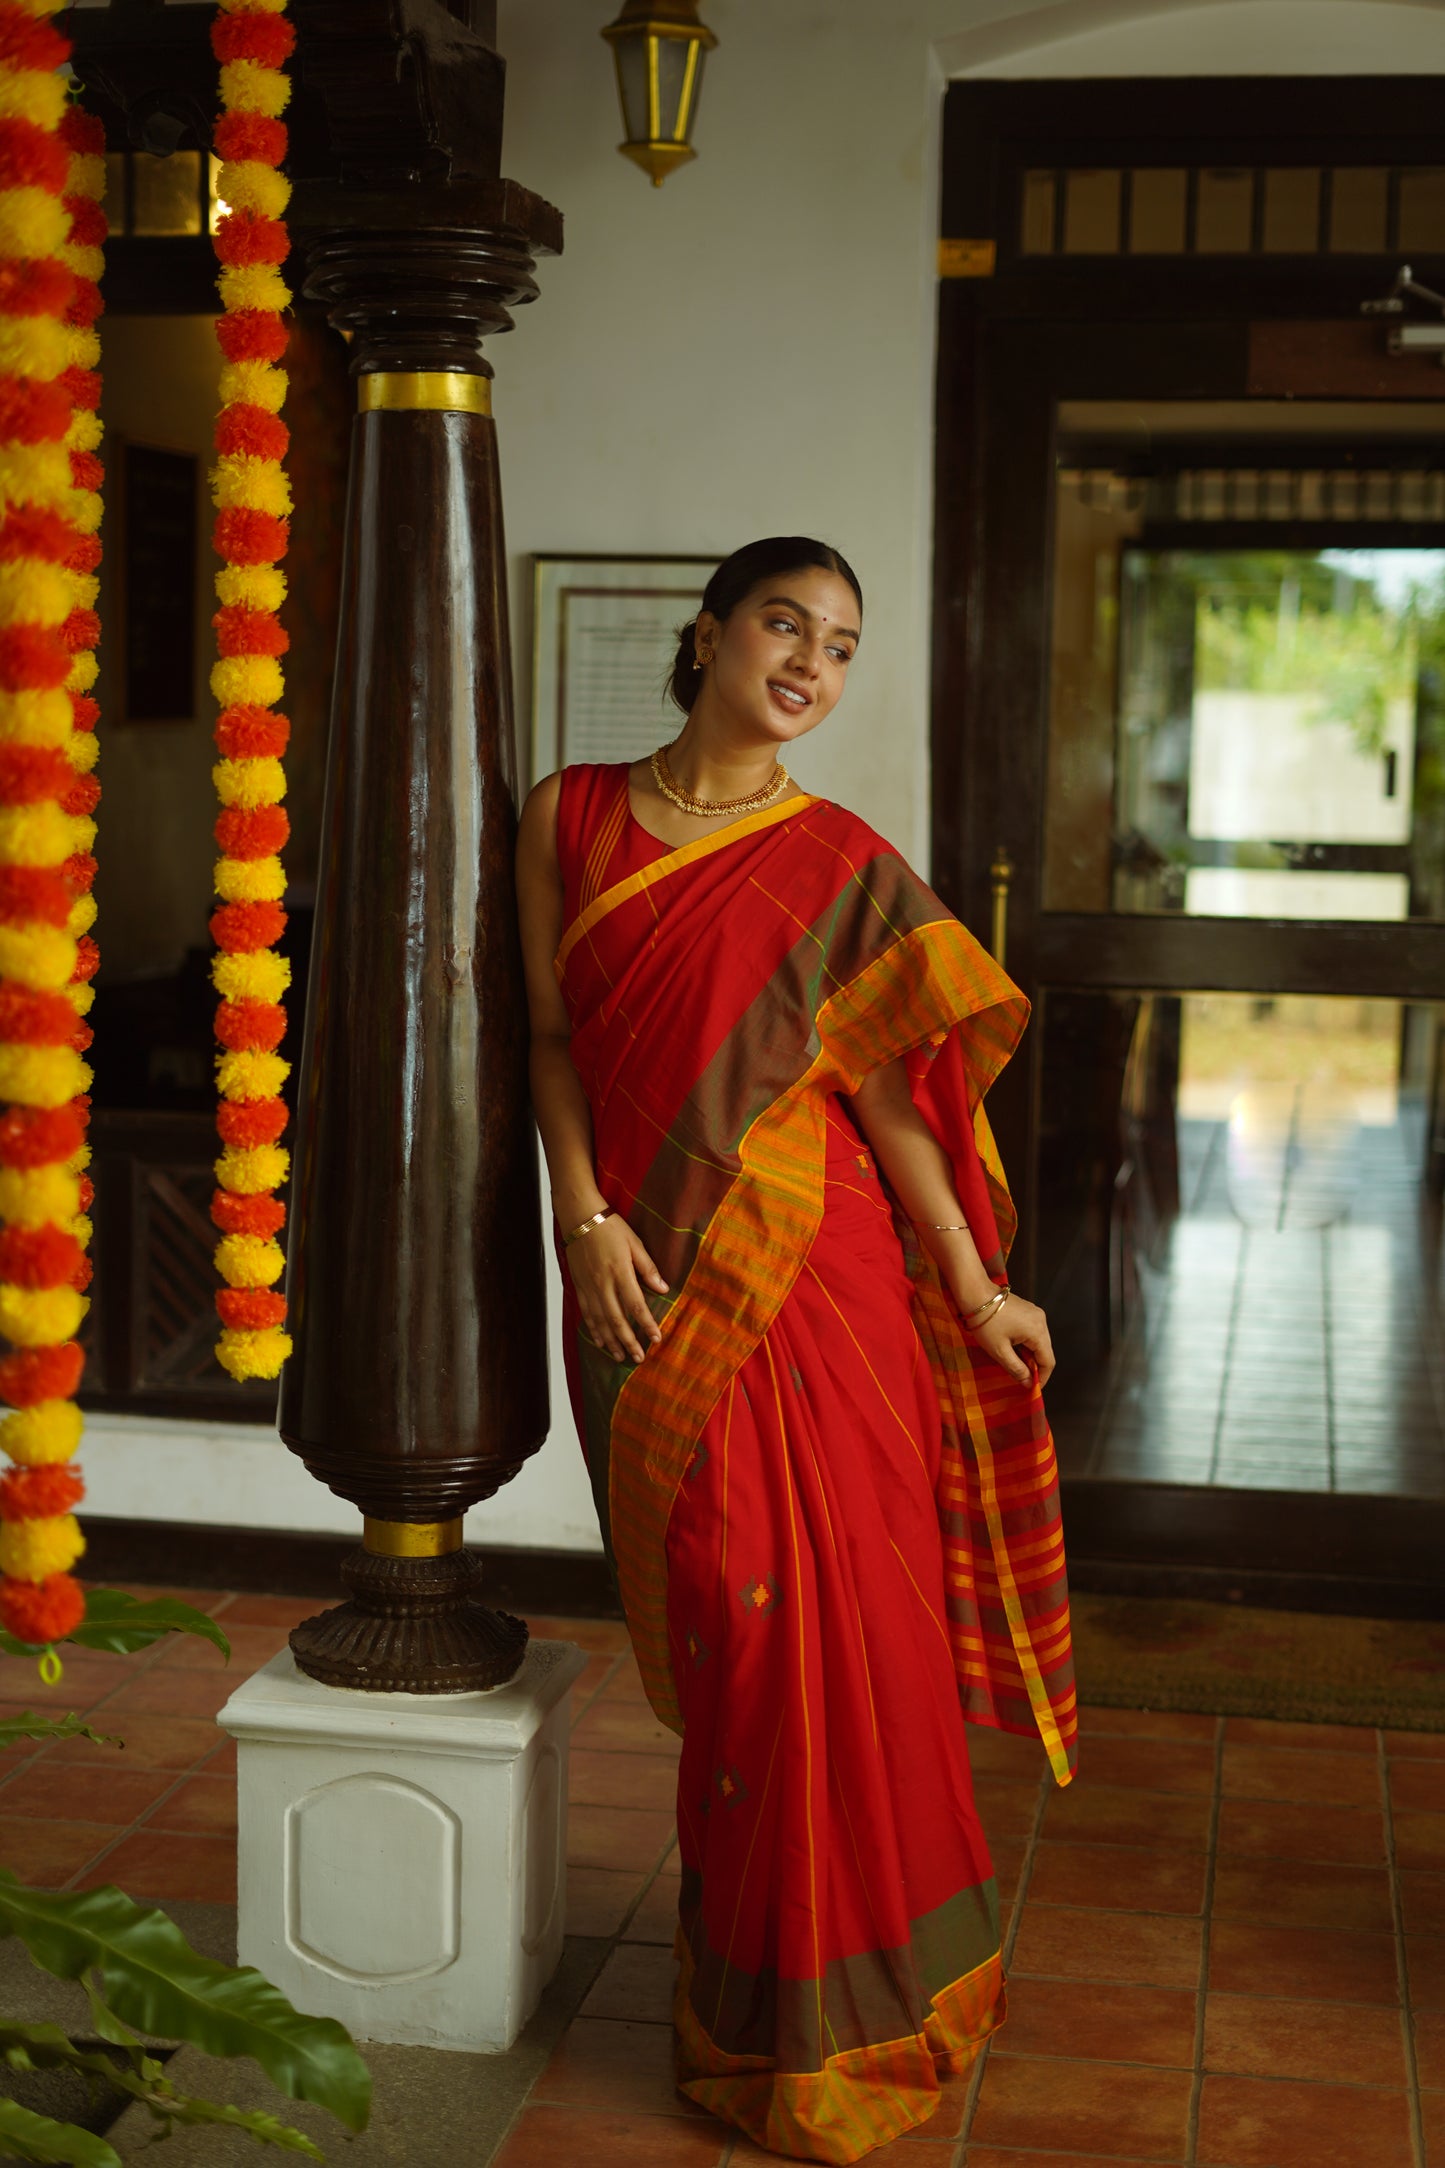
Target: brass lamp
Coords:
[(659, 46)]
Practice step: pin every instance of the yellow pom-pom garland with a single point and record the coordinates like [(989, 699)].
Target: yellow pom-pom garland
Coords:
[(50, 515), (251, 1074), (33, 1550), (33, 1197), (250, 1260), (249, 880), (248, 682), (39, 1436)]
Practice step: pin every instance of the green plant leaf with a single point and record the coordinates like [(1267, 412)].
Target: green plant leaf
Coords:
[(153, 1979), (121, 1623), (266, 2129), (34, 2047), (108, 2026), (26, 2136), (29, 1726), (113, 1620), (46, 2047)]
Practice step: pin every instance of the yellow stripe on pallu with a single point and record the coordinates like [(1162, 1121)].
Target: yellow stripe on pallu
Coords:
[(755, 1244), (658, 869)]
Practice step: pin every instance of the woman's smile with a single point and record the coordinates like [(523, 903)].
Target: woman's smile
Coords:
[(790, 698)]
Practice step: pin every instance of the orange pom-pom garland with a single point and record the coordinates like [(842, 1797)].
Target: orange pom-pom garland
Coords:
[(245, 1123), (245, 536), (33, 1374), (251, 1026), (42, 1611), (49, 548), (40, 1494), (248, 733), (257, 1214), (252, 831), (35, 892), (250, 1309), (245, 926), (251, 530), (39, 1136)]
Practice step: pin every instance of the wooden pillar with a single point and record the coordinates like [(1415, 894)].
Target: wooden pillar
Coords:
[(418, 1383)]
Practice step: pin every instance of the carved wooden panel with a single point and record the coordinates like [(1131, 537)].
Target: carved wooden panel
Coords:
[(152, 1326)]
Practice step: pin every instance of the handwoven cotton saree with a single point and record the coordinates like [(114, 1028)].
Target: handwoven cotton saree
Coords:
[(835, 1525)]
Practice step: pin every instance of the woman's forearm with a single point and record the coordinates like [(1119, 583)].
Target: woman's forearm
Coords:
[(565, 1121), (921, 1178)]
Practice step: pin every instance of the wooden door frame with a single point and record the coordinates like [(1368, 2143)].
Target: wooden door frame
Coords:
[(1009, 349)]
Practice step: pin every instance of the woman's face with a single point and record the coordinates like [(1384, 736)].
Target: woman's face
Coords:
[(780, 661)]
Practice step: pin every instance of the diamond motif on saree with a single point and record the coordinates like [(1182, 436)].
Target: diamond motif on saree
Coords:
[(760, 1595), (730, 1786)]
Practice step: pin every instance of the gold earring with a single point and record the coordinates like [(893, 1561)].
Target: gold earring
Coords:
[(702, 659)]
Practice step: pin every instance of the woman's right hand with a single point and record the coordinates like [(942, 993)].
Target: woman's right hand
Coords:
[(1018, 1324), (609, 1268)]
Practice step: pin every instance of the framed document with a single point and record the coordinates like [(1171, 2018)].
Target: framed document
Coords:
[(159, 492), (604, 634)]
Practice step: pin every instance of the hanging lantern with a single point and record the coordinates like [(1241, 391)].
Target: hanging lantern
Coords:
[(659, 46)]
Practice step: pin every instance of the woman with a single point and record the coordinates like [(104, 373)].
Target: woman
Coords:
[(810, 1405)]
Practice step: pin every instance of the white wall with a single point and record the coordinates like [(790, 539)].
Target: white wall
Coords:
[(749, 349)]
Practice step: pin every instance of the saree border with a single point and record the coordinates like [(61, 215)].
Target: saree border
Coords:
[(862, 2097), (963, 1388)]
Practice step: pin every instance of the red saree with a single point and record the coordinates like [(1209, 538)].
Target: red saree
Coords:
[(835, 1528)]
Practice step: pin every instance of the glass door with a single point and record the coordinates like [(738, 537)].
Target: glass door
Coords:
[(1240, 1128)]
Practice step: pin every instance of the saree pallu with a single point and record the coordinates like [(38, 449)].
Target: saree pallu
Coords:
[(835, 1527)]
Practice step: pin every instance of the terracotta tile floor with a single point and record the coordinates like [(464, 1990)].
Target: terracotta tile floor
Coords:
[(1224, 1942)]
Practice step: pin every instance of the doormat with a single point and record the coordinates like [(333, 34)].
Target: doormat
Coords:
[(1146, 1652)]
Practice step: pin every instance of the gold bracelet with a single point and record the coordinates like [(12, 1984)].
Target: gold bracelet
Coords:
[(587, 1226), (986, 1310)]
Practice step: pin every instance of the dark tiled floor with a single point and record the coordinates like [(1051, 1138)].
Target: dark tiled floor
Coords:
[(1244, 1364), (1224, 1940)]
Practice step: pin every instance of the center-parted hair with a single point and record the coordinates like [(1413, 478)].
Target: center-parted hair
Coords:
[(735, 579)]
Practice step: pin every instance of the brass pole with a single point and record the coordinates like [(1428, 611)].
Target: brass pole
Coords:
[(1001, 872)]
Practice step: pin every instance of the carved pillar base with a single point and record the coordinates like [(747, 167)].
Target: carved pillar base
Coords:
[(415, 1623), (402, 1860)]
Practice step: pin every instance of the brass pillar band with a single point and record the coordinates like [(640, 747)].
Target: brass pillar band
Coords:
[(449, 391), (411, 1539)]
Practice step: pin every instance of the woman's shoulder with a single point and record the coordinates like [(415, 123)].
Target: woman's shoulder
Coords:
[(578, 784)]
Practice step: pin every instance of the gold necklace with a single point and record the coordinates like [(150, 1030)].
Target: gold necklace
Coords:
[(709, 808)]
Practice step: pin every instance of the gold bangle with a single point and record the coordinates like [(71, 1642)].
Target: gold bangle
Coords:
[(986, 1310), (587, 1226)]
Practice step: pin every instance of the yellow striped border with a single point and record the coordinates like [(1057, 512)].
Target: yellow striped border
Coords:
[(963, 1385)]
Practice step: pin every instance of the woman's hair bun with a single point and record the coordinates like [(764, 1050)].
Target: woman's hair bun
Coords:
[(685, 678)]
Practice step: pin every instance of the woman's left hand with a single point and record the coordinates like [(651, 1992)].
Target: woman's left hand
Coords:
[(1018, 1324)]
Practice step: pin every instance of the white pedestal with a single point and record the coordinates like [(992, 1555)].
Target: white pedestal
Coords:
[(402, 1857)]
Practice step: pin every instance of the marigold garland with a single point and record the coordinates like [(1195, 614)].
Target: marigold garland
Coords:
[(252, 41), (52, 177)]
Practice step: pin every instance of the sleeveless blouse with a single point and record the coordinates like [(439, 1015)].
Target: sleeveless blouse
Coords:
[(600, 841)]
